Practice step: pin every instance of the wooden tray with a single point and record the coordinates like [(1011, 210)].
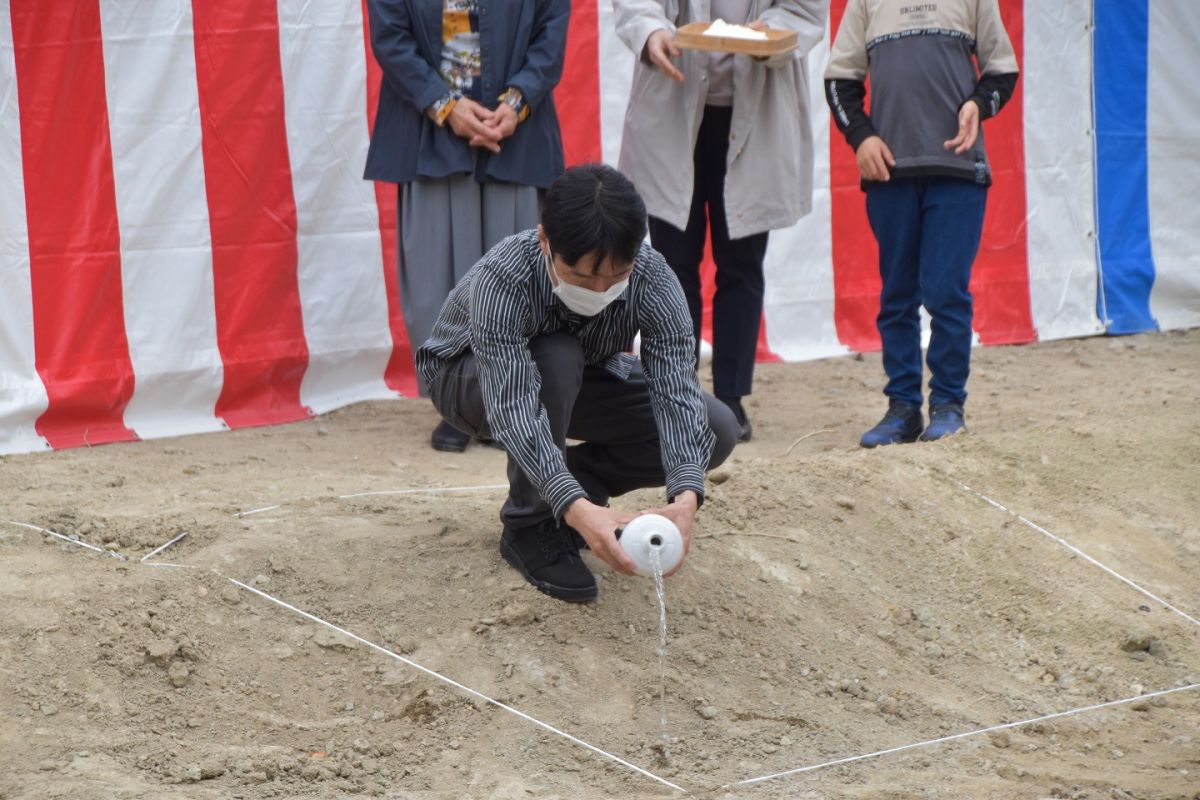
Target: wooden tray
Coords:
[(691, 37)]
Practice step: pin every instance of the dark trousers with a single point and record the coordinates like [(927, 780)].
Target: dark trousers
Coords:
[(613, 420), (738, 302), (928, 231)]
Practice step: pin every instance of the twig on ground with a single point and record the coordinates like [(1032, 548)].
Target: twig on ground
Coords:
[(806, 436)]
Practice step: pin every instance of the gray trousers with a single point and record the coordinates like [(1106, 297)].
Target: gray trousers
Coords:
[(446, 225), (613, 419)]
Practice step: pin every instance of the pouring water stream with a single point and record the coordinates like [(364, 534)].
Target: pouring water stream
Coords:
[(656, 562)]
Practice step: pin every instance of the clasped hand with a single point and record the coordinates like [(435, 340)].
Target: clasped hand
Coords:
[(480, 126)]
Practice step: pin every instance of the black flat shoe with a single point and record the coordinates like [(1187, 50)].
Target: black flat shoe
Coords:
[(449, 439), (745, 429), (546, 557)]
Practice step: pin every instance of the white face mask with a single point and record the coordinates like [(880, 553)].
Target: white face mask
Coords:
[(584, 302)]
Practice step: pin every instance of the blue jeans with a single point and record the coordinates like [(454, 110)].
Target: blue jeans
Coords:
[(928, 231)]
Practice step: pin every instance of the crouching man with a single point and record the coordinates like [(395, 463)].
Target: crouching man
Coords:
[(533, 348)]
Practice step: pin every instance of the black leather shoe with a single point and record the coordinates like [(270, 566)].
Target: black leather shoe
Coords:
[(545, 555), (449, 439), (745, 429)]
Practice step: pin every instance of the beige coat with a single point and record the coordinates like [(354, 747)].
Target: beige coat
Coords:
[(769, 180)]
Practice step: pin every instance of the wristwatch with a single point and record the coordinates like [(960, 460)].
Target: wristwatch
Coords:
[(443, 107), (513, 98)]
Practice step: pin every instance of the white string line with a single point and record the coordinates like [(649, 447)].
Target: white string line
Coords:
[(66, 539), (618, 759), (431, 490), (1077, 552), (956, 736), (160, 548), (456, 684), (258, 510), (377, 648), (425, 490)]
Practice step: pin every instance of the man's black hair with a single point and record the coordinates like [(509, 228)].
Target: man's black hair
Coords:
[(593, 208)]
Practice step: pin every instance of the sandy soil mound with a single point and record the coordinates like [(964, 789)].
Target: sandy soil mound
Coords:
[(837, 602)]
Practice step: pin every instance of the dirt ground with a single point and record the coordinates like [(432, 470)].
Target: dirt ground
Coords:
[(837, 602)]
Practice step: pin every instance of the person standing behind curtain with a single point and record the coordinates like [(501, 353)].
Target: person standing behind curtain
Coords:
[(466, 126), (729, 133)]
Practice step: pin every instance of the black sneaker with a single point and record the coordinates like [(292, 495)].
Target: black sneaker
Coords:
[(545, 555), (577, 537), (745, 429), (901, 424), (449, 439)]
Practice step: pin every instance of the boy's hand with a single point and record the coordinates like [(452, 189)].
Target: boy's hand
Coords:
[(968, 129), (660, 49), (875, 159)]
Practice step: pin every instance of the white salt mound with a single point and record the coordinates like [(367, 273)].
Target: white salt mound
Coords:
[(722, 28)]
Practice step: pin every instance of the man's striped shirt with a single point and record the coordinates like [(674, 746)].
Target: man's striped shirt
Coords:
[(507, 299)]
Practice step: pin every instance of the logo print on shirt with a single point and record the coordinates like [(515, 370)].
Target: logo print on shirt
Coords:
[(918, 13)]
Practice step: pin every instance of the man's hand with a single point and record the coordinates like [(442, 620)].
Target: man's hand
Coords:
[(681, 511), (469, 121), (875, 159), (598, 527), (660, 49), (501, 122), (968, 129)]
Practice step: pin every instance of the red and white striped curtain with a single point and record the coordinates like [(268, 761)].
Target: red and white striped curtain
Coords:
[(186, 242)]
